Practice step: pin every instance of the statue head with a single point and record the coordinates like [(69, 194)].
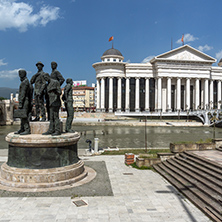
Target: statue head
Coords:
[(22, 74), (69, 81), (46, 77), (53, 65), (39, 65)]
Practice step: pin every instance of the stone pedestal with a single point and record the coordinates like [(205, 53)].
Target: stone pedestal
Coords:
[(36, 151), (42, 161), (41, 127)]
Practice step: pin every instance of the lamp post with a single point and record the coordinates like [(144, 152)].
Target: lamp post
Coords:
[(213, 119), (145, 135), (187, 115)]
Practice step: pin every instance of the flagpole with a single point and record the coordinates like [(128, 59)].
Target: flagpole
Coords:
[(171, 43), (111, 39)]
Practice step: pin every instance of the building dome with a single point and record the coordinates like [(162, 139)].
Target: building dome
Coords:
[(112, 52), (220, 62)]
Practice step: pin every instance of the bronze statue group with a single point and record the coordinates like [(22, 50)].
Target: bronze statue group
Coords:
[(48, 87)]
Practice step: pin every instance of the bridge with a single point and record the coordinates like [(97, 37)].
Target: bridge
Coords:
[(207, 117)]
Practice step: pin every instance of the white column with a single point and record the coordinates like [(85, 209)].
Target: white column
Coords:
[(206, 91), (137, 97), (169, 109), (111, 94), (119, 95), (127, 108), (98, 102), (211, 94), (202, 94), (102, 94), (147, 94), (197, 99), (178, 94), (218, 94), (159, 94), (156, 95), (187, 94)]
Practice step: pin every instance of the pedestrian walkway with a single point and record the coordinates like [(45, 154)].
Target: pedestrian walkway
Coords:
[(139, 195)]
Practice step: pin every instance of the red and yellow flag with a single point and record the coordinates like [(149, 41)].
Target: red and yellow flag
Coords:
[(111, 38)]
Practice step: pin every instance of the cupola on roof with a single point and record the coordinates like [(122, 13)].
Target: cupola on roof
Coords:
[(112, 51), (220, 62)]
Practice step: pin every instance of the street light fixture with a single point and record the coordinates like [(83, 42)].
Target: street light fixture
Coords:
[(213, 119)]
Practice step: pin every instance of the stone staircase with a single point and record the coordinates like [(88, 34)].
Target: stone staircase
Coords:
[(199, 179)]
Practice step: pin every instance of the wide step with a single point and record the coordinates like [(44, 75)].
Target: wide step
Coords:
[(201, 184)]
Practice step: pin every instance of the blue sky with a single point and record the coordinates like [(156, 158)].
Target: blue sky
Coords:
[(75, 33)]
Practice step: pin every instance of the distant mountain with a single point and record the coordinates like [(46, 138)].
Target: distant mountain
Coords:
[(5, 92)]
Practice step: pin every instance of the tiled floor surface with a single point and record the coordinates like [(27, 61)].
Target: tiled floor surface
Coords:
[(139, 195)]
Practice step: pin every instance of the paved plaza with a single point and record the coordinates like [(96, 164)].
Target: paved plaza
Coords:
[(138, 195)]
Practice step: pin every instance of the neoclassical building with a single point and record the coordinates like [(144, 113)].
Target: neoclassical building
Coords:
[(179, 80)]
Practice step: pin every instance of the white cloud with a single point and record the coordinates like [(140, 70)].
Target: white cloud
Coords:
[(128, 61), (147, 59), (219, 55), (187, 38), (47, 14), (9, 74), (20, 15), (205, 48), (2, 63)]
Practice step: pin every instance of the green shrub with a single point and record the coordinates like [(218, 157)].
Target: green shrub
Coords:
[(135, 151), (2, 98), (141, 168), (208, 140)]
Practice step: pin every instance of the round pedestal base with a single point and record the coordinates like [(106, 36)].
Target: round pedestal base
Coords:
[(30, 180), (39, 163)]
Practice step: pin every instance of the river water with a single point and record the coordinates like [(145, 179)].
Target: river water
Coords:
[(130, 136)]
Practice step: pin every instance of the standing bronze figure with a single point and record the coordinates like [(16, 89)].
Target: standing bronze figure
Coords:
[(24, 103), (56, 75), (40, 85), (54, 92), (68, 101)]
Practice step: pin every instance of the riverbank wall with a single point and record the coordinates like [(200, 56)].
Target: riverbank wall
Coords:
[(134, 123), (109, 119)]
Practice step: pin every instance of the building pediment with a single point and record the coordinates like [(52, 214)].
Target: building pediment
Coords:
[(184, 53)]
